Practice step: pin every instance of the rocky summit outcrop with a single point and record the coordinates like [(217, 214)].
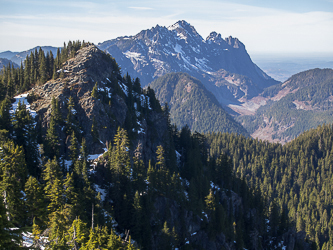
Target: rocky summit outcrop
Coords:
[(179, 48), (108, 109)]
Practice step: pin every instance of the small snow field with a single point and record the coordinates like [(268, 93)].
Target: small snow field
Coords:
[(101, 191), (23, 100), (68, 163), (28, 240)]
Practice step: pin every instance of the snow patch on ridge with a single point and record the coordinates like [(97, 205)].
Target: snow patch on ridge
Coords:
[(175, 26), (23, 100)]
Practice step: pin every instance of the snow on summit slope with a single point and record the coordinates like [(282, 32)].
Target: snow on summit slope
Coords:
[(179, 48), (23, 100)]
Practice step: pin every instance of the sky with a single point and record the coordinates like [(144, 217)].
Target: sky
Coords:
[(264, 26)]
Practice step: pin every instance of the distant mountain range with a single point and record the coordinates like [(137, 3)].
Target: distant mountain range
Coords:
[(222, 65), (6, 62), (284, 111), (18, 57), (193, 105), (222, 73)]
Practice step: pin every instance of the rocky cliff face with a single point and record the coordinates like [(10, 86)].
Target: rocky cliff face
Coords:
[(179, 48), (109, 110)]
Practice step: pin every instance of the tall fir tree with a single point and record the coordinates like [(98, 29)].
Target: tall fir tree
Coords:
[(24, 135), (34, 202), (13, 173)]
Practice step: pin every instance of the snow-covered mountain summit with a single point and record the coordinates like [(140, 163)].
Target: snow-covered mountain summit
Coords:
[(223, 65)]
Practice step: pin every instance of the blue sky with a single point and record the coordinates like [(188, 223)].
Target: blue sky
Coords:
[(264, 26)]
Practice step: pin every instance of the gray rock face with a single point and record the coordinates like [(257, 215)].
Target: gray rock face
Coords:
[(179, 48)]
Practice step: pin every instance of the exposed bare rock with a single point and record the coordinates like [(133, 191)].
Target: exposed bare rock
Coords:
[(91, 66)]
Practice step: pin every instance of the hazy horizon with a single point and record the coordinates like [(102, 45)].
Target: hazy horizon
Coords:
[(263, 26)]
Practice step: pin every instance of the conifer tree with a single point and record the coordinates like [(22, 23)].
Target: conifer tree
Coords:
[(137, 217), (24, 135), (71, 197), (55, 110), (52, 137), (77, 234), (52, 177), (27, 70), (34, 201), (93, 240), (160, 157), (70, 121), (36, 232), (9, 239), (74, 150), (42, 67), (94, 92), (94, 131), (165, 242), (114, 242), (52, 140), (138, 175), (151, 179), (58, 231), (5, 122), (12, 177), (57, 62), (55, 72)]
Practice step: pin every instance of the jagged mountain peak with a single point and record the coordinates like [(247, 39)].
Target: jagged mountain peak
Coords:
[(215, 37), (179, 48), (180, 24), (185, 30), (235, 43)]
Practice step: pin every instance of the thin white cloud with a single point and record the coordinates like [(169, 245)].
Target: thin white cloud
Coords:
[(141, 8)]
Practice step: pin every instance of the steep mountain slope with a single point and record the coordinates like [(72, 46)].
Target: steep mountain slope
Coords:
[(223, 65), (191, 104), (304, 101)]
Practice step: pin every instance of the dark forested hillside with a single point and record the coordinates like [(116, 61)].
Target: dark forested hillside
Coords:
[(191, 104), (296, 177), (90, 160)]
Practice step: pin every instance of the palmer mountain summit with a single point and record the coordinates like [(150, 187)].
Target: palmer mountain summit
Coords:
[(222, 65)]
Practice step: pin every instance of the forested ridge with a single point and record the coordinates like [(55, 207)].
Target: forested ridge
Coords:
[(193, 105), (309, 99), (296, 177), (185, 196), (38, 67)]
